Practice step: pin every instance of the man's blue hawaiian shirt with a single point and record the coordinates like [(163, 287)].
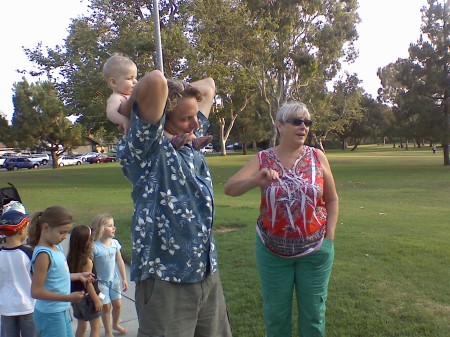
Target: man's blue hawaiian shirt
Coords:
[(173, 205)]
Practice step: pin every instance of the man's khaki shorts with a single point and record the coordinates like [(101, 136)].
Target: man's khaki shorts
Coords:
[(168, 309)]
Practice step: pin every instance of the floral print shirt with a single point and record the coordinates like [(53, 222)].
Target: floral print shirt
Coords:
[(173, 205), (293, 217)]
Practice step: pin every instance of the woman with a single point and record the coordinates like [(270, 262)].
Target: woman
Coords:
[(298, 215)]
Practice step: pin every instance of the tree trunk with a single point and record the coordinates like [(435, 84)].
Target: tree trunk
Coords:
[(273, 135), (446, 158), (223, 148)]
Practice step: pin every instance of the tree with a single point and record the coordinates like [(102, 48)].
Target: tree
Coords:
[(5, 131), (431, 53), (213, 27), (39, 120), (303, 42), (346, 108), (118, 26), (420, 85), (274, 51)]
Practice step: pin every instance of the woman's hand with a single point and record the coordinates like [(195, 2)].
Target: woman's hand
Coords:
[(266, 176)]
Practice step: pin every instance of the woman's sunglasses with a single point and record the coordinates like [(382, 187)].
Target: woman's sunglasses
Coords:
[(299, 121)]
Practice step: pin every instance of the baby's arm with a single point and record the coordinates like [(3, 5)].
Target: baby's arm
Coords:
[(112, 112)]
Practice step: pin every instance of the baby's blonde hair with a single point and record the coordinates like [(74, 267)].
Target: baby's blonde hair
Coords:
[(116, 65)]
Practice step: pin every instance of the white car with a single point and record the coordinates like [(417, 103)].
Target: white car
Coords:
[(85, 156), (208, 149), (41, 158), (66, 161)]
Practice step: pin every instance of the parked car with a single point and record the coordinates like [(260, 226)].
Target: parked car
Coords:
[(101, 158), (42, 158), (235, 146), (208, 149), (4, 158), (13, 164), (67, 160), (85, 156)]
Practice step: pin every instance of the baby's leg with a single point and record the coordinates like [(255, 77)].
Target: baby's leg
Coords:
[(200, 142), (178, 141)]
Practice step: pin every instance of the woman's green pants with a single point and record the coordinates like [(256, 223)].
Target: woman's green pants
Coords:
[(309, 276)]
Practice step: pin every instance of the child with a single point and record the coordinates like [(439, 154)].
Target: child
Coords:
[(16, 303), (106, 256), (51, 277), (80, 259), (121, 75)]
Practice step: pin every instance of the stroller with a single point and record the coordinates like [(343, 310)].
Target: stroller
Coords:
[(8, 194)]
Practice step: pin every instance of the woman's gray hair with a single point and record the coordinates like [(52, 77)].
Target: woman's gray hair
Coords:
[(292, 109)]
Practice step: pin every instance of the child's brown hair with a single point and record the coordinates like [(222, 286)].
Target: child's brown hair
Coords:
[(80, 248), (54, 216)]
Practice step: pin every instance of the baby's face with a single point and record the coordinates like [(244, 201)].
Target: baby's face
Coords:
[(125, 82)]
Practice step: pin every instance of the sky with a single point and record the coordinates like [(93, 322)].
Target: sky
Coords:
[(386, 30)]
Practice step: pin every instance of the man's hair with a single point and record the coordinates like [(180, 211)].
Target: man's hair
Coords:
[(179, 90)]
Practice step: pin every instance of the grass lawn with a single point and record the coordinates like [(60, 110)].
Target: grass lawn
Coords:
[(391, 275)]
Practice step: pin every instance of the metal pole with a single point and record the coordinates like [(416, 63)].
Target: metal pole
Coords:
[(159, 62)]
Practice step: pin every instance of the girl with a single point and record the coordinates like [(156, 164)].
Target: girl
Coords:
[(51, 278), (106, 256), (80, 260)]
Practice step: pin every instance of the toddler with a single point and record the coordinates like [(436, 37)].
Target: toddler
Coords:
[(106, 256), (80, 259), (16, 303)]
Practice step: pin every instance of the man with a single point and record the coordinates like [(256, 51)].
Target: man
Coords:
[(174, 259)]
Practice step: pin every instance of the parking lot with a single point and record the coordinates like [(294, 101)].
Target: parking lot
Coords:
[(37, 163)]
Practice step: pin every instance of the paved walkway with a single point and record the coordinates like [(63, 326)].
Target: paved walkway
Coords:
[(128, 316)]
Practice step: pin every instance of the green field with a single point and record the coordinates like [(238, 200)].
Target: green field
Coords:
[(391, 275)]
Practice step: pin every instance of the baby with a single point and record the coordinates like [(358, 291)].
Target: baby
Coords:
[(120, 73)]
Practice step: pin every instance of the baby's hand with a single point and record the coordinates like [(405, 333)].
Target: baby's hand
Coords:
[(76, 296), (124, 126)]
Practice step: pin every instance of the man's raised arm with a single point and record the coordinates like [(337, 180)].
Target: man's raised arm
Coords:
[(150, 95), (208, 89)]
